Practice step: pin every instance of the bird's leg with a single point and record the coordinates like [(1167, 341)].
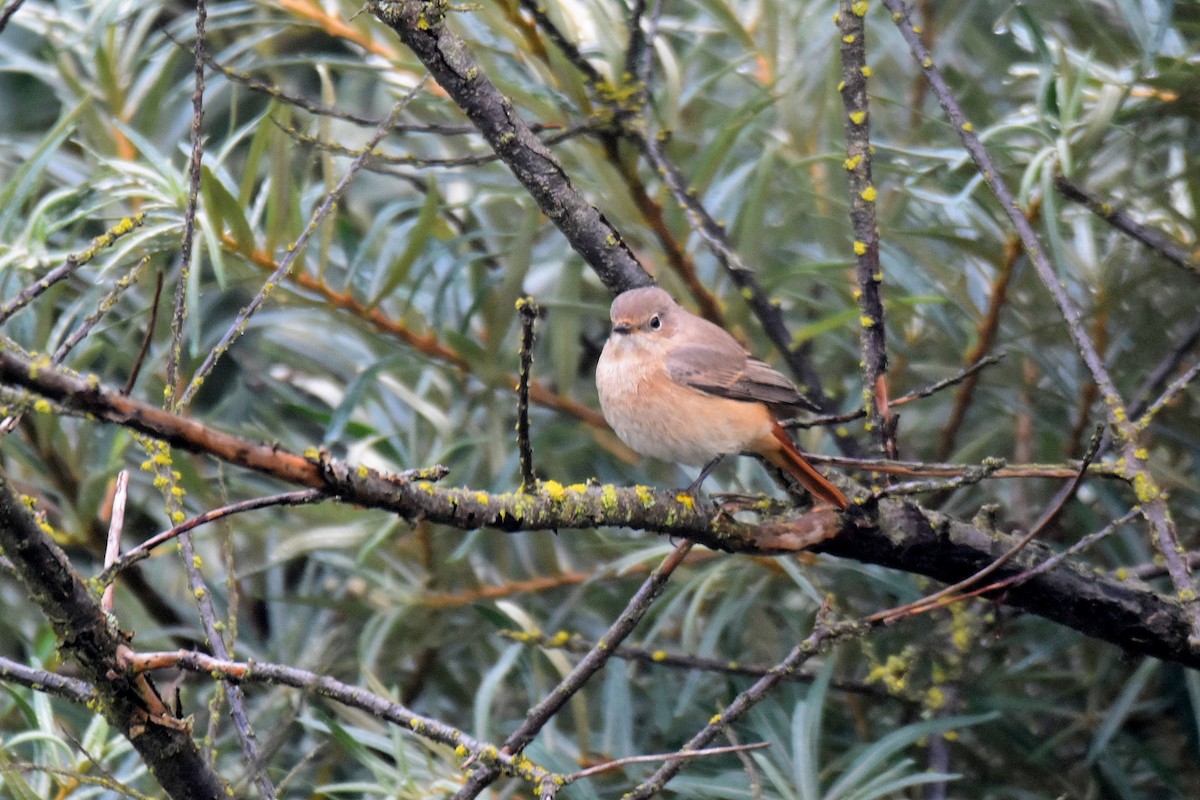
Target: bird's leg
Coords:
[(694, 486)]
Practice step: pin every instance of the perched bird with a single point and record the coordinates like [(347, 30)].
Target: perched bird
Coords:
[(677, 387)]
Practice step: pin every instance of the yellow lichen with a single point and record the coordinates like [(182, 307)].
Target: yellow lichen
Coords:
[(644, 495)]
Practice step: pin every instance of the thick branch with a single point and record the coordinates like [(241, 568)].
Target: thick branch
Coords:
[(125, 700), (896, 534), (421, 26)]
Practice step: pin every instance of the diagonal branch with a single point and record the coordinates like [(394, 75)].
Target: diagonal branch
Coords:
[(421, 26), (1152, 498), (127, 701)]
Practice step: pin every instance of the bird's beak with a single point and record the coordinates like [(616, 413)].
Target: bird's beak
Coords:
[(621, 327)]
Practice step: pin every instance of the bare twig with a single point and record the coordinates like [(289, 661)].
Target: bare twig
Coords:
[(529, 311), (243, 672), (72, 689), (661, 658), (8, 12), (949, 594), (103, 307), (1176, 386), (596, 658), (142, 551), (1155, 239), (821, 637), (116, 525), (140, 359), (963, 375), (608, 766)]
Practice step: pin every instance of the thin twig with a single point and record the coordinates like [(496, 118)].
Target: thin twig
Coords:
[(103, 307), (42, 680), (1157, 240), (529, 311), (1083, 544), (377, 158), (8, 12), (74, 261), (116, 525), (1175, 387), (565, 46), (969, 477), (862, 195), (637, 49), (655, 757), (179, 315), (293, 251), (919, 394), (243, 672), (935, 600), (1157, 377), (596, 658), (816, 642), (142, 551), (140, 359), (660, 658), (1064, 495)]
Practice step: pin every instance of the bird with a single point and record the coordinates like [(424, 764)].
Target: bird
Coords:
[(676, 387)]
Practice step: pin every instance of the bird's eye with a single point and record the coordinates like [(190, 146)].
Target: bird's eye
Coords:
[(655, 323)]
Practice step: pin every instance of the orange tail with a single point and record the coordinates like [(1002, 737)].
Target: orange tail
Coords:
[(788, 458)]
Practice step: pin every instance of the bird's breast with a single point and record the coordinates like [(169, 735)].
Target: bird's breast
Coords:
[(663, 419)]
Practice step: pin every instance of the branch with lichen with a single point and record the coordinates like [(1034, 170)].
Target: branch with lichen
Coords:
[(421, 26), (895, 534), (862, 194), (465, 746), (1134, 456), (86, 634)]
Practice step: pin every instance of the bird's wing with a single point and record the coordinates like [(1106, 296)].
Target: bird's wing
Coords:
[(733, 373)]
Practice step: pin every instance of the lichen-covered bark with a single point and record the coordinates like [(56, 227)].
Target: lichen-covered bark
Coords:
[(421, 26), (85, 634), (895, 534)]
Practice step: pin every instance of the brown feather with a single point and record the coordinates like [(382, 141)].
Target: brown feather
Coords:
[(735, 374)]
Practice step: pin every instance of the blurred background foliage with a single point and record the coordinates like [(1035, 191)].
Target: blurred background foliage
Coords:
[(393, 343)]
